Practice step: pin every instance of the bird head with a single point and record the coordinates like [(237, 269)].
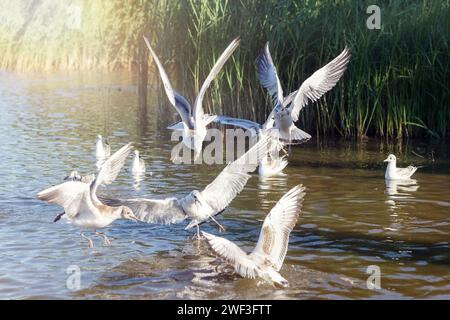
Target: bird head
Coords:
[(195, 197), (99, 137), (127, 213), (390, 158)]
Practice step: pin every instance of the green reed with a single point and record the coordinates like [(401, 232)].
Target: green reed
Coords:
[(397, 84)]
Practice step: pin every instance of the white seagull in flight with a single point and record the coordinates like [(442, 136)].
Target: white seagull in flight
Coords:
[(286, 109), (193, 119), (267, 257), (200, 205)]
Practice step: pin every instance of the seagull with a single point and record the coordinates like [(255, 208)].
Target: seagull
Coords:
[(79, 199), (280, 121), (286, 109), (200, 206), (394, 173), (272, 165), (267, 257), (193, 119), (102, 151), (138, 165)]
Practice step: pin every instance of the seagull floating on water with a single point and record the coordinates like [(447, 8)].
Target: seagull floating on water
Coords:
[(102, 151), (193, 119), (79, 199), (394, 173), (138, 165), (272, 164), (200, 206), (267, 257)]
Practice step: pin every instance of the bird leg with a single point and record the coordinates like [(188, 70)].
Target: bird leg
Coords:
[(283, 148), (106, 240), (290, 142), (197, 235), (221, 227), (91, 244)]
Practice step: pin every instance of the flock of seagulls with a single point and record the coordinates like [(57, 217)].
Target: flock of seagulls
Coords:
[(77, 195)]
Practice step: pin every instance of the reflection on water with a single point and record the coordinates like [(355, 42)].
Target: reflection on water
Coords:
[(266, 186), (137, 179), (399, 191), (401, 188), (351, 217)]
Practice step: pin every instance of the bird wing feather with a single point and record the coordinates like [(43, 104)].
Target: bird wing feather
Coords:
[(177, 100), (320, 82), (197, 111), (274, 237), (231, 253), (68, 195), (110, 169), (268, 76), (160, 211), (242, 123), (230, 182)]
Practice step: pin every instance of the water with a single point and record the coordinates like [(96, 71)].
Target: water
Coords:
[(350, 218)]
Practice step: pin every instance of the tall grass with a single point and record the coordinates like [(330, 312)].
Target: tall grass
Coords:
[(397, 84)]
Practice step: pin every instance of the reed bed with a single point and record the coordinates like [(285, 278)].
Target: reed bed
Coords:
[(397, 84)]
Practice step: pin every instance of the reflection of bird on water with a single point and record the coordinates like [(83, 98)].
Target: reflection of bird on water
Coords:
[(394, 187), (266, 185), (267, 258)]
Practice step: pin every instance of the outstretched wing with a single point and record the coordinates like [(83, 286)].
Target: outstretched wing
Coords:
[(231, 253), (274, 237), (242, 123), (197, 111), (161, 211), (268, 76), (177, 100), (230, 182), (320, 82), (110, 169), (68, 195)]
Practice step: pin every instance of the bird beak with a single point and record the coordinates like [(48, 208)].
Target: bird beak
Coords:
[(386, 160), (133, 218), (198, 202)]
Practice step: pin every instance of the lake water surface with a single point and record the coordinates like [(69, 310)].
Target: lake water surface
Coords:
[(350, 219)]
